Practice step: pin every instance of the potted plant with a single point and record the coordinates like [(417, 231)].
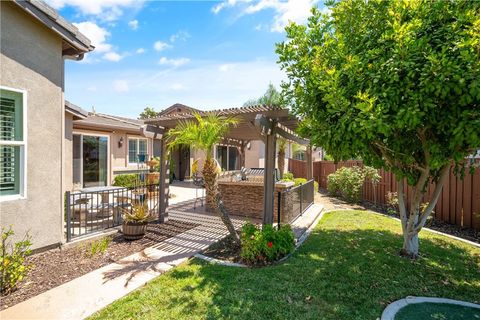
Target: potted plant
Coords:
[(135, 221)]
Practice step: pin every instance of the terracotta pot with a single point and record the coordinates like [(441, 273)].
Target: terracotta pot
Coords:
[(134, 230)]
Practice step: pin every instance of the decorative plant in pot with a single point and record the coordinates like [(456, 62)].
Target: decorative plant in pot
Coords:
[(135, 221)]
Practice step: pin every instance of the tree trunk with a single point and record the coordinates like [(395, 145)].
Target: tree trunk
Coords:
[(414, 219), (210, 177), (213, 201), (281, 161)]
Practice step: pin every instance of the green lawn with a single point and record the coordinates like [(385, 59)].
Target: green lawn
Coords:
[(437, 311), (347, 269)]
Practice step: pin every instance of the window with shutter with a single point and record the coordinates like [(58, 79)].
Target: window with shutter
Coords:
[(12, 144)]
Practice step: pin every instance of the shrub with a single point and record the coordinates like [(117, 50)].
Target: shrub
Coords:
[(125, 180), (288, 176), (261, 246), (12, 264), (348, 182), (99, 246)]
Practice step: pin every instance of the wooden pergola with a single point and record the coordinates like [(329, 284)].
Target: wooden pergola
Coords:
[(262, 122)]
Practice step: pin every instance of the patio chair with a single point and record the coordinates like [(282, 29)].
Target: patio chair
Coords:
[(199, 183)]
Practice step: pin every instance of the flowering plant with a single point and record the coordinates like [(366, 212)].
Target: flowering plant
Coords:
[(263, 246)]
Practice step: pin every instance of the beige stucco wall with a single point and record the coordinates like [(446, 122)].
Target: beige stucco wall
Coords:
[(68, 157), (31, 60)]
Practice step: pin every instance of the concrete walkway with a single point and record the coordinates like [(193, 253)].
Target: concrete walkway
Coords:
[(89, 293)]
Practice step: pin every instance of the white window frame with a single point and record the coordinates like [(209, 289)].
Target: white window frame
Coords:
[(138, 148), (23, 149), (92, 134)]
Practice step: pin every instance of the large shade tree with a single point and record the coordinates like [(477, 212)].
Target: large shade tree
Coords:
[(203, 134), (395, 82)]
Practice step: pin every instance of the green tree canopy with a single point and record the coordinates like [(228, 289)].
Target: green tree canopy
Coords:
[(395, 82), (271, 97), (148, 113)]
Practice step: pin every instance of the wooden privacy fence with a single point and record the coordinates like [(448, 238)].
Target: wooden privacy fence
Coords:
[(458, 204)]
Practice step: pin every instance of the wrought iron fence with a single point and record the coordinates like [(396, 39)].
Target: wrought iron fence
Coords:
[(95, 209), (295, 201)]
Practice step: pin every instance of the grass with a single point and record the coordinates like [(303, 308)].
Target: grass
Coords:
[(349, 268), (437, 311)]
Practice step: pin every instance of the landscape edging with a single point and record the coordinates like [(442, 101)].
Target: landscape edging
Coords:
[(300, 241), (393, 308)]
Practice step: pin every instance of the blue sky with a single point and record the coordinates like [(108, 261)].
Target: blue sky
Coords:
[(205, 54)]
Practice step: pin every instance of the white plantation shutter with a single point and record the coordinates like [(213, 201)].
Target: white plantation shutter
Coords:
[(11, 142)]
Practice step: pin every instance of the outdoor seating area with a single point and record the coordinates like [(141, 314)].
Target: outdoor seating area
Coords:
[(95, 209)]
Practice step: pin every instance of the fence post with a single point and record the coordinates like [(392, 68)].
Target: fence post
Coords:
[(278, 208), (301, 198), (68, 216)]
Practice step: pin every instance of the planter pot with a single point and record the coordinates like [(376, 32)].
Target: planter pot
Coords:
[(134, 230)]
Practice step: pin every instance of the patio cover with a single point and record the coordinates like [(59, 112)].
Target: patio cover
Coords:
[(260, 122)]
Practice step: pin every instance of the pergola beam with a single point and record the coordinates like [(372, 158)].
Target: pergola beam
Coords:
[(290, 136)]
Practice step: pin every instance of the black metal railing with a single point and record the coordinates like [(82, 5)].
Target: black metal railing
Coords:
[(301, 197), (95, 209)]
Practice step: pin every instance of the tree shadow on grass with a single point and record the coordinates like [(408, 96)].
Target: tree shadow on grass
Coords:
[(340, 272), (335, 275)]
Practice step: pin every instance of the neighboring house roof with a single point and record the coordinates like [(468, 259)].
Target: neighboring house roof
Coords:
[(74, 42), (104, 121), (77, 112), (177, 108)]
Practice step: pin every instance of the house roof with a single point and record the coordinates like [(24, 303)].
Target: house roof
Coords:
[(245, 130), (104, 121), (74, 42), (77, 112), (175, 108)]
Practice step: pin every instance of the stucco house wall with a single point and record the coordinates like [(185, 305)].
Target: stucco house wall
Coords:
[(31, 60)]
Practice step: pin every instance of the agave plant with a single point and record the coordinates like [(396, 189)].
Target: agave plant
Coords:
[(204, 133)]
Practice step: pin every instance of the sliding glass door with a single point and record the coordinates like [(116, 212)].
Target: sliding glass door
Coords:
[(90, 161)]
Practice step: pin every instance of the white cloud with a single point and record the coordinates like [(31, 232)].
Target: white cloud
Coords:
[(92, 88), (140, 51), (120, 86), (173, 62), (180, 35), (112, 56), (258, 27), (177, 87), (226, 67), (225, 4), (96, 34), (133, 24), (108, 10), (160, 46), (285, 11)]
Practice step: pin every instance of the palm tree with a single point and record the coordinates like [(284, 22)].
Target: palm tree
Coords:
[(204, 133)]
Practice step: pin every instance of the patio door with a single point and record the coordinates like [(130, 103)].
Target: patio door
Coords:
[(90, 161)]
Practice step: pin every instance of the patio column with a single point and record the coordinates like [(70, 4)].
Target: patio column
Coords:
[(163, 182), (309, 162), (269, 173)]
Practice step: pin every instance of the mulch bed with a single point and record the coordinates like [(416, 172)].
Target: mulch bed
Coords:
[(55, 267), (332, 203), (226, 249)]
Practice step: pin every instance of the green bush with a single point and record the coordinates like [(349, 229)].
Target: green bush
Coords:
[(125, 180), (98, 246), (347, 182), (12, 264), (261, 246), (288, 176), (299, 181)]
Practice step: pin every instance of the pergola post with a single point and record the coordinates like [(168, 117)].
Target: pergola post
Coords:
[(241, 152), (269, 174), (309, 162), (163, 182)]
